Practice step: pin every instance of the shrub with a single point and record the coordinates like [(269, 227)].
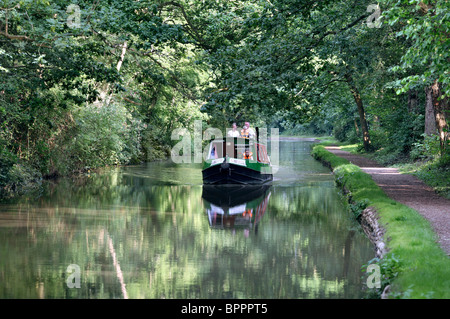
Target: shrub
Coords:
[(21, 178), (7, 160), (390, 268), (103, 135), (427, 148)]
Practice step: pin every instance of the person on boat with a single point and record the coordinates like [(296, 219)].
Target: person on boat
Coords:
[(251, 132), (213, 153), (248, 155), (248, 212), (233, 132), (245, 131)]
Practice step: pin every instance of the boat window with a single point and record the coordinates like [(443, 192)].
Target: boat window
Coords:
[(240, 150), (262, 154), (240, 146), (229, 149), (216, 150)]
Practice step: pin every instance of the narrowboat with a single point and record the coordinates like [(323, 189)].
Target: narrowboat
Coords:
[(236, 160)]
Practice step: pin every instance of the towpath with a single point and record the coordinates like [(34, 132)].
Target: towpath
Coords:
[(408, 190)]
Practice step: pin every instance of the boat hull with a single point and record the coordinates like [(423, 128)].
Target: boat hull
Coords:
[(228, 173)]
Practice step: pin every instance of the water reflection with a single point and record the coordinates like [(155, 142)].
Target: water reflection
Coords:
[(235, 207), (153, 231)]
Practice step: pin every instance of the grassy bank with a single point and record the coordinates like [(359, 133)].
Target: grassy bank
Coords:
[(415, 266), (435, 172)]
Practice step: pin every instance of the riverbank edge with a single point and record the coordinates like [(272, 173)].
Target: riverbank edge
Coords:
[(33, 185), (368, 218), (383, 231)]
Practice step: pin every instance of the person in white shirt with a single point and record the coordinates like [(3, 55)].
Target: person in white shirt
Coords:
[(233, 132)]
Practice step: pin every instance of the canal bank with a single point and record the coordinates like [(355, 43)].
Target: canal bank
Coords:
[(412, 263)]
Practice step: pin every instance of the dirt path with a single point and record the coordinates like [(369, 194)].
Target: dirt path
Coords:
[(408, 190)]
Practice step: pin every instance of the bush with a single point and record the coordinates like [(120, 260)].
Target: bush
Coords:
[(21, 178), (103, 135), (153, 148), (379, 138), (7, 160), (427, 148), (344, 130), (390, 268)]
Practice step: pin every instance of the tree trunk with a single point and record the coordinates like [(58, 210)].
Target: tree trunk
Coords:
[(362, 114), (441, 111), (356, 126), (430, 118), (119, 65), (413, 101)]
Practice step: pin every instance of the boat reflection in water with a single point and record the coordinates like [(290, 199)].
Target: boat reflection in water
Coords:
[(236, 207)]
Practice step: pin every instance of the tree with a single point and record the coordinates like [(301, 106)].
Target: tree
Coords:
[(58, 58), (425, 24)]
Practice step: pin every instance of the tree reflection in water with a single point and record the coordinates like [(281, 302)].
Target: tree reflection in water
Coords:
[(152, 231)]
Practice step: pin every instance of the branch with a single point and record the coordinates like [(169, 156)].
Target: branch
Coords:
[(323, 36), (15, 37), (193, 30), (175, 78), (131, 101), (17, 6), (5, 33)]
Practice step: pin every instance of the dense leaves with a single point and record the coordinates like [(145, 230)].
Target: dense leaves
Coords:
[(349, 68)]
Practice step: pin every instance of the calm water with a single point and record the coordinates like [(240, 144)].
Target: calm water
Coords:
[(152, 231)]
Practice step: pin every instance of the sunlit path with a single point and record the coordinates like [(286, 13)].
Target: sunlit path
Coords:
[(408, 190)]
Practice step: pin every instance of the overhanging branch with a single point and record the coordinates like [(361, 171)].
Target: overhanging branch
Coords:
[(192, 30)]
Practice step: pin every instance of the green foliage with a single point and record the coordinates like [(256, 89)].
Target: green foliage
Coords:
[(420, 268), (104, 136), (390, 268), (169, 63), (357, 207), (426, 149), (7, 160), (112, 90), (52, 75), (403, 128), (435, 172), (425, 25), (21, 178), (344, 129)]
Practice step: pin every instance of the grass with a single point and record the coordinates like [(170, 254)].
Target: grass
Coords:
[(352, 148), (434, 173), (423, 267)]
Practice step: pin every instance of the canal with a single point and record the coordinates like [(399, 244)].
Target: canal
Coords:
[(153, 231)]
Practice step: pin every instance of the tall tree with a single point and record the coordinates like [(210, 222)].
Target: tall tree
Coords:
[(425, 24)]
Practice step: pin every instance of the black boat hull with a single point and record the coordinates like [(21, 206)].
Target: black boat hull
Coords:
[(228, 173)]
